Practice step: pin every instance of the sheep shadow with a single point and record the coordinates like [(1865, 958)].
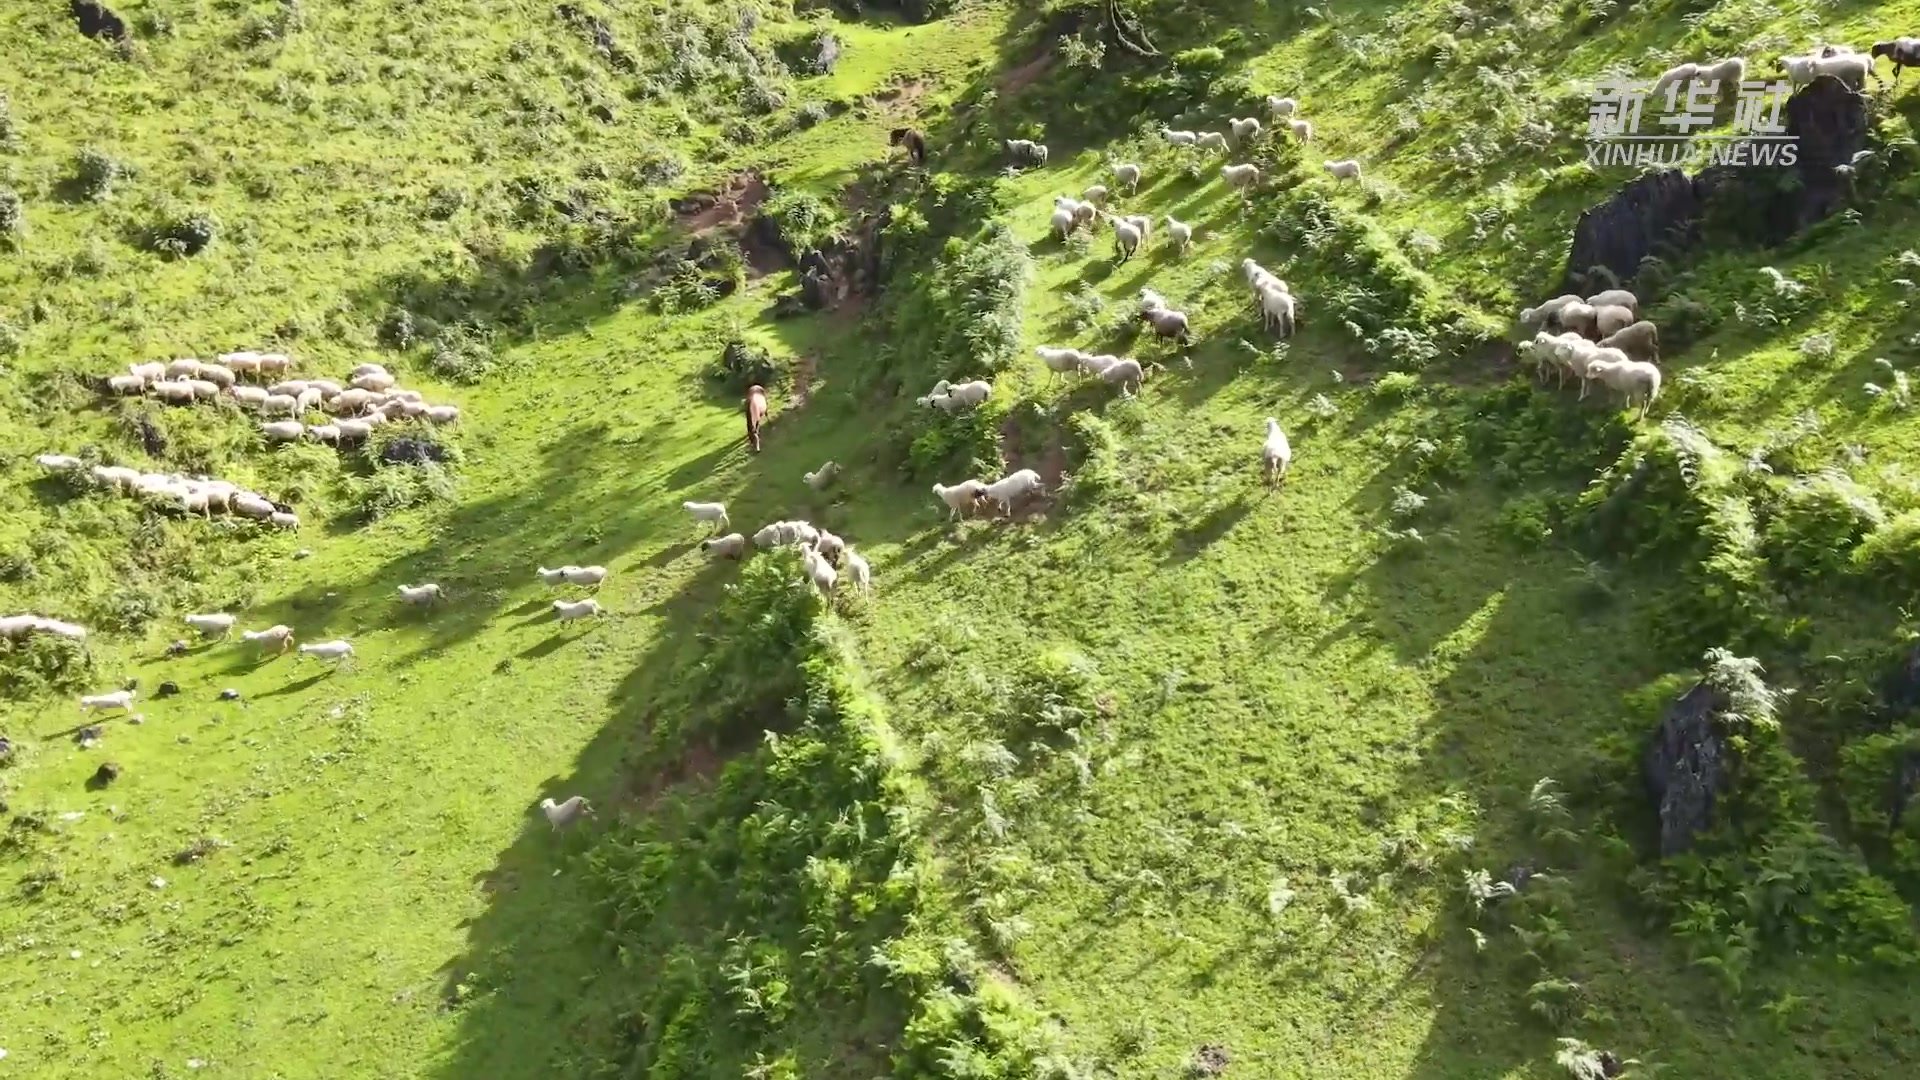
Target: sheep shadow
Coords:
[(1194, 539), (554, 642), (669, 554), (303, 684)]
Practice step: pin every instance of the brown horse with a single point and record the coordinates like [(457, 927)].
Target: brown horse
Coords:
[(756, 410)]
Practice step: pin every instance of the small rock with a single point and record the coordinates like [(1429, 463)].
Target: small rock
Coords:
[(75, 954), (196, 1063), (158, 883), (178, 647), (107, 773), (183, 739), (303, 553), (229, 694), (1210, 1060), (167, 689), (87, 736)]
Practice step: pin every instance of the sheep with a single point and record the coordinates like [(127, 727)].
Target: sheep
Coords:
[(1615, 298), (1179, 234), (1151, 300), (368, 368), (1026, 152), (1059, 361), (324, 433), (1578, 316), (1123, 373), (1904, 52), (203, 390), (121, 700), (948, 397), (1211, 140), (1096, 365), (713, 513), (1013, 488), (218, 374), (249, 505), (374, 380), (184, 368), (1635, 378), (58, 463), (251, 395), (215, 624), (1849, 67), (350, 401), (560, 815), (1677, 73), (553, 577), (276, 404), (307, 399), (1275, 453), (1097, 195), (730, 546), (1240, 177), (327, 387), (1348, 169), (960, 498), (1178, 138), (125, 384), (1729, 72), (174, 393), (1062, 221), (149, 372), (116, 476), (351, 430), (782, 533), (584, 575), (421, 595), (18, 626), (336, 650), (409, 408), (1126, 238), (1537, 316), (1281, 107), (859, 572), (280, 636), (1276, 309), (1584, 355), (373, 418), (285, 519), (443, 414), (289, 387), (569, 611), (275, 362), (1611, 319), (818, 569), (242, 363), (830, 547), (822, 478), (283, 430), (1168, 323), (1143, 222), (1302, 130), (1244, 129)]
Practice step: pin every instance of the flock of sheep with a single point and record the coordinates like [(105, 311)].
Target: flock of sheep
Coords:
[(370, 398), (821, 552), (1599, 338)]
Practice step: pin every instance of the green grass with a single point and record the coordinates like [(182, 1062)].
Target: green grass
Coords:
[(1305, 726)]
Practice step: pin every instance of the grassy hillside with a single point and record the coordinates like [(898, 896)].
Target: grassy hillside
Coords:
[(1171, 770)]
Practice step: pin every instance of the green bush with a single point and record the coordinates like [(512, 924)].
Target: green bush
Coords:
[(13, 218), (943, 443), (392, 488), (42, 663), (1818, 521), (1890, 554), (462, 353), (1880, 801), (187, 233), (742, 364), (805, 221), (1096, 455), (95, 174)]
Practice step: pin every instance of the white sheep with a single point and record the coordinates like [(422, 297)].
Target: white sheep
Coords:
[(1281, 107), (289, 387), (1013, 488), (1577, 316), (274, 362), (335, 650), (283, 430), (960, 498), (949, 397), (1124, 373), (1062, 221), (1097, 364), (1611, 319), (1211, 140), (1302, 130), (1168, 323), (58, 463), (1240, 177), (1275, 453), (1348, 169), (1536, 316), (830, 546), (730, 546), (1178, 138), (822, 478), (1677, 73), (560, 815), (351, 430), (325, 433), (818, 569), (280, 636), (568, 611), (204, 390), (1729, 72), (1179, 234), (214, 624), (553, 577), (348, 402), (421, 595), (126, 384), (173, 393), (1026, 152), (121, 700), (368, 368), (1059, 361), (1126, 237), (1151, 301), (1128, 174), (1244, 129), (1614, 298), (284, 519), (1636, 378), (251, 395), (858, 571), (276, 405), (713, 513), (152, 371), (442, 414), (1582, 356), (327, 387), (1098, 195), (1276, 308), (374, 380), (218, 374), (183, 368), (309, 398), (249, 505), (584, 575), (242, 363), (18, 626)]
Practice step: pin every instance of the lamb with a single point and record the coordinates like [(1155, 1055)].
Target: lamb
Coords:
[(1302, 130), (712, 513), (1677, 73), (1343, 170), (730, 546), (1611, 319), (584, 575), (1276, 308), (818, 569), (121, 700), (442, 414), (554, 577), (335, 650), (1905, 53), (279, 635), (1615, 298), (283, 430), (1026, 152), (961, 498), (1126, 238), (1275, 453), (1179, 234), (1097, 195), (859, 572), (1123, 373), (1178, 138), (58, 463), (1240, 177), (1013, 488), (217, 624), (1635, 378), (565, 611), (1244, 129), (125, 384), (1059, 361), (560, 815), (1281, 107), (822, 478), (1168, 323), (1211, 140), (420, 595)]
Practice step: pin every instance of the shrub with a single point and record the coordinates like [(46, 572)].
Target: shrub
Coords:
[(95, 174), (742, 365), (943, 442), (1396, 386), (9, 129), (11, 339), (397, 330), (804, 221), (1818, 521), (392, 488), (13, 218), (185, 234), (1096, 448), (462, 353), (44, 662), (1877, 783)]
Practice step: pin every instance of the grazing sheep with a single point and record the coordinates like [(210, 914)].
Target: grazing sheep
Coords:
[(1126, 238), (823, 477), (307, 399), (420, 595), (275, 362), (151, 372), (858, 571), (368, 368), (325, 433), (242, 363), (274, 404), (1536, 316), (58, 463), (1677, 73), (1615, 298), (1281, 107), (1244, 129), (1059, 361), (251, 395), (289, 387), (347, 431), (1211, 140), (1343, 170), (1275, 453), (278, 636), (948, 397), (1124, 373), (1635, 378), (1179, 234), (283, 430), (216, 624), (1128, 174), (730, 546), (1168, 323), (335, 650), (1098, 195), (184, 368), (1611, 319), (960, 498), (584, 575), (175, 393), (1026, 152), (713, 513), (442, 414), (348, 402), (818, 569), (126, 384), (553, 577), (1578, 316), (1905, 53), (327, 387), (219, 375), (1178, 138), (561, 815), (203, 390), (782, 533), (1151, 300), (1302, 130), (1276, 308), (19, 626), (1582, 356), (566, 611), (1013, 488), (913, 140), (119, 699), (1095, 365), (1143, 222), (1240, 177)]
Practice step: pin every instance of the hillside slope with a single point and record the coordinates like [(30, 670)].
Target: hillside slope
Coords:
[(1171, 774)]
